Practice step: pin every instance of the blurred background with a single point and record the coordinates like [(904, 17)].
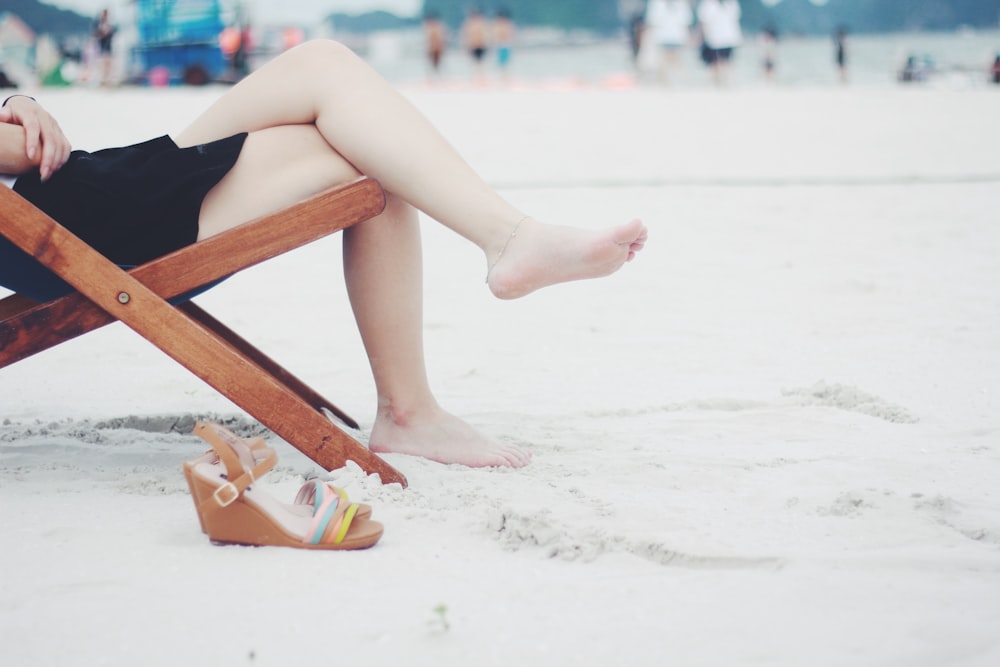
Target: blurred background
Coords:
[(557, 43)]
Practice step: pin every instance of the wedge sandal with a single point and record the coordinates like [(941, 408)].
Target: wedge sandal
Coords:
[(232, 510), (259, 450)]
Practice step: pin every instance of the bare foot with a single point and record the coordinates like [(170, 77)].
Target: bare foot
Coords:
[(442, 437), (540, 255)]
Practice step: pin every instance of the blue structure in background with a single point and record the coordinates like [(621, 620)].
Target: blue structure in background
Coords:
[(181, 36)]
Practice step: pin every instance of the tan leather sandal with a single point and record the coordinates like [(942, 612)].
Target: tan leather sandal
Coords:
[(260, 450), (232, 511)]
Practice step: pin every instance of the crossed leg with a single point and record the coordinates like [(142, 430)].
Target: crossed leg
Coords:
[(318, 116), (382, 135)]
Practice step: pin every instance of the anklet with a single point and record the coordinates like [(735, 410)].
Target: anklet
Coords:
[(510, 238)]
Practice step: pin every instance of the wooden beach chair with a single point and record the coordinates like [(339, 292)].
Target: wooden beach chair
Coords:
[(141, 297)]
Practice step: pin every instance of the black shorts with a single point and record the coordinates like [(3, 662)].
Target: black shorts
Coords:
[(132, 204), (723, 55)]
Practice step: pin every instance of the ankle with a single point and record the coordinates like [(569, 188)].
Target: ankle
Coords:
[(498, 254), (403, 415)]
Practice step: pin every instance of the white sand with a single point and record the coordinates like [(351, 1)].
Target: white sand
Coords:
[(774, 439)]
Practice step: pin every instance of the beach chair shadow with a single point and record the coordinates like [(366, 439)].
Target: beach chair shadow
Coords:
[(153, 300)]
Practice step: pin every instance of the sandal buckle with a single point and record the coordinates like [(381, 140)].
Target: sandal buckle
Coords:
[(226, 502)]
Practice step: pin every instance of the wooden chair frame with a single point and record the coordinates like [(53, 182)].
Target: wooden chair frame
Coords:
[(139, 298)]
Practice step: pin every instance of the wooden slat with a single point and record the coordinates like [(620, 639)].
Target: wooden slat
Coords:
[(13, 305), (46, 325), (262, 239), (180, 272)]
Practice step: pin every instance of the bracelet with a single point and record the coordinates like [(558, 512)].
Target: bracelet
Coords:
[(16, 95)]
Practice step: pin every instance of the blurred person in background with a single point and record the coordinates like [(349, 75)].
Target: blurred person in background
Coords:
[(236, 44), (437, 37), (475, 36), (720, 28), (636, 30), (503, 38), (840, 52), (668, 23), (104, 34), (769, 51)]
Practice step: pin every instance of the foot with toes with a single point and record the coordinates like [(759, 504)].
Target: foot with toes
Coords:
[(439, 436), (537, 255)]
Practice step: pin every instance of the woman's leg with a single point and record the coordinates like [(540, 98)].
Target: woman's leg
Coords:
[(384, 136), (382, 266), (277, 167)]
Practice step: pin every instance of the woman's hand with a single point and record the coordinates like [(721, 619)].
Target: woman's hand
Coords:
[(44, 142)]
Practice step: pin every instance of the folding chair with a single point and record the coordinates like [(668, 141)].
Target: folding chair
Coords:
[(141, 298)]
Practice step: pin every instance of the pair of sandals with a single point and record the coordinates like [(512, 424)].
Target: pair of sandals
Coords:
[(232, 510)]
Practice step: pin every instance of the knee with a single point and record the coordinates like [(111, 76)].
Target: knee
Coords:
[(398, 211), (324, 51), (397, 205)]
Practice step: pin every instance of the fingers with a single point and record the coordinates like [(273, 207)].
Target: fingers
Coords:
[(55, 147), (31, 134), (44, 141), (43, 135)]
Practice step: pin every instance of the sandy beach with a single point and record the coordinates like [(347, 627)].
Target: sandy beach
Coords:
[(774, 439)]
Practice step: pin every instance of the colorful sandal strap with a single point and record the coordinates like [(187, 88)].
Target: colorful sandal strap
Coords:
[(311, 491), (339, 531), (332, 514), (323, 513)]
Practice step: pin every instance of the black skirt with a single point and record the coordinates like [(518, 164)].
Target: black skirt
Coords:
[(132, 204)]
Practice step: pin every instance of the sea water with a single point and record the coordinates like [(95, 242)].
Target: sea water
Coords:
[(960, 58)]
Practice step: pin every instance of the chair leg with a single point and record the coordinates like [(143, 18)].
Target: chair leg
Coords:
[(270, 366), (210, 357)]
